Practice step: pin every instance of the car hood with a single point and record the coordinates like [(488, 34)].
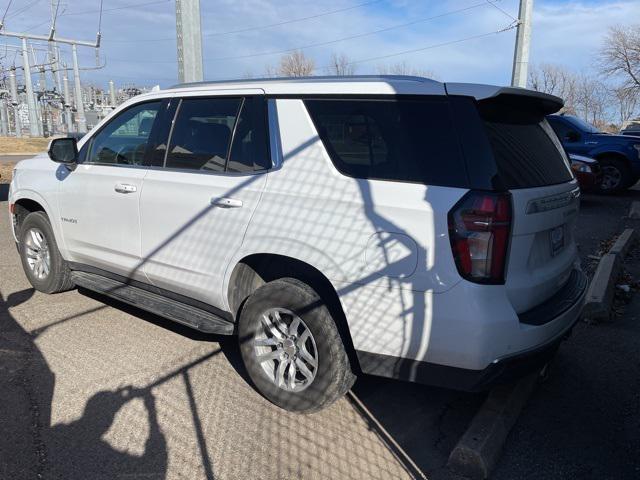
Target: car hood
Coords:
[(619, 139)]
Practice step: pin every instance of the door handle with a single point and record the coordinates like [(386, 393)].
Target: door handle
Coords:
[(225, 202), (125, 188)]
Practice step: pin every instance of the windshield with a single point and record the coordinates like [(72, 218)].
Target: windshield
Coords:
[(582, 125)]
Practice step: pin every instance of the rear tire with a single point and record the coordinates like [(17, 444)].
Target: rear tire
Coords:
[(284, 330), (616, 175), (43, 265)]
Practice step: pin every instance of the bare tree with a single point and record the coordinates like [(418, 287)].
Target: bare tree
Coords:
[(341, 64), (620, 55), (555, 80), (626, 101), (403, 68), (592, 100), (296, 64)]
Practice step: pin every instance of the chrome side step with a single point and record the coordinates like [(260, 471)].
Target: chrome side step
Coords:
[(152, 302)]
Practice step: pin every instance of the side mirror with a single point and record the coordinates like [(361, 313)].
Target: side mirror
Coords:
[(572, 136), (63, 150)]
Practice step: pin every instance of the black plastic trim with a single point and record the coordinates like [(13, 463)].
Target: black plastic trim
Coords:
[(227, 316), (152, 302), (562, 301)]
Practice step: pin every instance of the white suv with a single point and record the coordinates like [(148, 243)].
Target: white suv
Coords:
[(395, 226)]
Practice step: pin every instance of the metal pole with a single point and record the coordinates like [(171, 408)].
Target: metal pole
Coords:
[(4, 120), (13, 89), (67, 102), (112, 94), (42, 106), (13, 86), (189, 39), (55, 66), (31, 101), (82, 121), (523, 42)]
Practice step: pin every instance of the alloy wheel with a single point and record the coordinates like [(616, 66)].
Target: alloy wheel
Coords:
[(286, 350), (37, 253)]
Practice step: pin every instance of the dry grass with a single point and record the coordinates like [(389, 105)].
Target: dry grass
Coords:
[(23, 145), (5, 172)]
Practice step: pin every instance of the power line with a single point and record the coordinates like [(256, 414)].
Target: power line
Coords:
[(6, 10), (328, 42), (421, 49), (113, 9), (23, 9), (491, 2), (352, 37), (259, 27)]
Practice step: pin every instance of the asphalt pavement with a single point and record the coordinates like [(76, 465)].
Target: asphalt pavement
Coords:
[(91, 388), (583, 422)]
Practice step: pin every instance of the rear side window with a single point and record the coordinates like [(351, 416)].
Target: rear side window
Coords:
[(202, 134), (250, 148), (403, 140), (526, 150)]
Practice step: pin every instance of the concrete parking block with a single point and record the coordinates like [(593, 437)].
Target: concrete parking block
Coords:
[(479, 448), (601, 291)]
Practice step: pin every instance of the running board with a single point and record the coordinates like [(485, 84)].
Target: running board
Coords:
[(152, 302)]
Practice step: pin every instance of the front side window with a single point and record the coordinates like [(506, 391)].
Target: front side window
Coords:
[(202, 134), (408, 140), (123, 141)]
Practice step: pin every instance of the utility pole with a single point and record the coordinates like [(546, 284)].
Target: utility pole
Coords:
[(13, 90), (31, 101), (81, 119), (112, 94), (67, 101), (523, 42), (4, 117), (189, 39)]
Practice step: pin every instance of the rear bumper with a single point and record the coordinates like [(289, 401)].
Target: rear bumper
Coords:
[(562, 315), (500, 371)]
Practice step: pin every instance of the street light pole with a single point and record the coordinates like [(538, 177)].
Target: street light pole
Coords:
[(523, 42)]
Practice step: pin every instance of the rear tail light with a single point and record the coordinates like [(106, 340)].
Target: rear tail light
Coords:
[(479, 228)]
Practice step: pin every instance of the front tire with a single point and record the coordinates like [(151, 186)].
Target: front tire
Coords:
[(45, 268), (291, 347), (616, 175)]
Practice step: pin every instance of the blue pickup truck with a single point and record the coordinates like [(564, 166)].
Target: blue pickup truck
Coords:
[(619, 155)]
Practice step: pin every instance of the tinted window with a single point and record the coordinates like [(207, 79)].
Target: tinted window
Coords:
[(526, 150), (250, 149), (404, 140), (202, 134), (560, 128), (123, 140)]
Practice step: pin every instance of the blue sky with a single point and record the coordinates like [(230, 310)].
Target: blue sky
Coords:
[(139, 46)]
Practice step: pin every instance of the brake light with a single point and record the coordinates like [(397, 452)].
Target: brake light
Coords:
[(479, 227)]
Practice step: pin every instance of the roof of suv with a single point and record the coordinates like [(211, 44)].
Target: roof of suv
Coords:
[(366, 85), (360, 84)]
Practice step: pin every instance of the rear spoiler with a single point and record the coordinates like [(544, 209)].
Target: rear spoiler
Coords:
[(542, 103)]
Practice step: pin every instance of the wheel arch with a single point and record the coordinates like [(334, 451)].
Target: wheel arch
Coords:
[(25, 202), (254, 270)]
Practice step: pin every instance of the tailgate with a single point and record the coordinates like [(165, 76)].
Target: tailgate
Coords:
[(543, 250)]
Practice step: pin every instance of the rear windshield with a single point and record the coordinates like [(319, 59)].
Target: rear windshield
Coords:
[(526, 150), (408, 140)]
